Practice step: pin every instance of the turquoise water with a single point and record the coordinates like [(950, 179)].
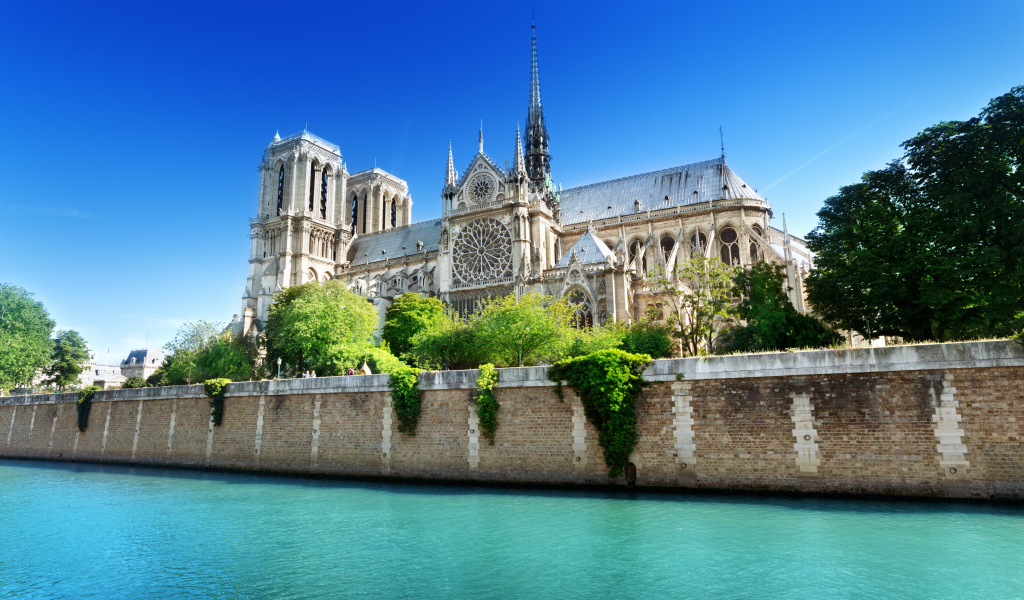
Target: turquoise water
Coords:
[(86, 531)]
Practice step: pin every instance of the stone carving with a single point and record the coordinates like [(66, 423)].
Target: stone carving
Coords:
[(482, 252), (481, 188)]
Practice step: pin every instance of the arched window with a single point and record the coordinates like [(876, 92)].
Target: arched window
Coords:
[(583, 314), (667, 243), (637, 256), (698, 242), (755, 256), (355, 210), (730, 249), (365, 210), (312, 185), (394, 214), (323, 195), (280, 191)]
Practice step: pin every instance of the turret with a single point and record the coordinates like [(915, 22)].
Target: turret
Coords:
[(451, 180)]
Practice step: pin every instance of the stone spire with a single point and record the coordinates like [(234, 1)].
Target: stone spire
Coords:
[(538, 161), (518, 163), (451, 178), (481, 137)]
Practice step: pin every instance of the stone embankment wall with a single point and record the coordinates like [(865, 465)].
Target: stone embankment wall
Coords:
[(932, 420)]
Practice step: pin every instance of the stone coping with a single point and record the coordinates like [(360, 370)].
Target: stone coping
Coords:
[(958, 355)]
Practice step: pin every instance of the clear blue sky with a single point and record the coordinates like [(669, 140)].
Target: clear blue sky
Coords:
[(133, 130)]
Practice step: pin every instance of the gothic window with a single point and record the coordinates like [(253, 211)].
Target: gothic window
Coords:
[(280, 191), (394, 214), (583, 314), (481, 188), (355, 210), (323, 195), (730, 249), (365, 207), (636, 249), (312, 185), (698, 242), (482, 252), (754, 254), (667, 243)]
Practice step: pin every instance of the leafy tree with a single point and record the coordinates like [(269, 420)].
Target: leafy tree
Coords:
[(648, 336), (311, 325), (25, 344), (133, 383), (599, 337), (230, 357), (772, 322), (407, 316), (698, 293), (183, 366), (514, 332), (448, 344), (159, 377), (70, 354), (932, 246)]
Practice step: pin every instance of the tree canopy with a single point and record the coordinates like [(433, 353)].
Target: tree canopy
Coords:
[(932, 246), (25, 344), (408, 315), (517, 332), (698, 294), (70, 354)]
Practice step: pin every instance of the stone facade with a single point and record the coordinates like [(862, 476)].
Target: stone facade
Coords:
[(503, 230), (942, 420)]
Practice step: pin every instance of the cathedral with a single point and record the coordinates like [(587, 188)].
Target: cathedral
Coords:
[(502, 230)]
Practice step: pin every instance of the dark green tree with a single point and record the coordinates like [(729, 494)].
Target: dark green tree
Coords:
[(184, 366), (70, 354), (134, 382), (25, 344), (407, 316)]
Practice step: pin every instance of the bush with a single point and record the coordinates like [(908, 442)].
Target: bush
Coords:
[(607, 383), (85, 405), (133, 383), (159, 377), (447, 344), (486, 402), (599, 337), (649, 337), (380, 360), (215, 389), (407, 316), (405, 398)]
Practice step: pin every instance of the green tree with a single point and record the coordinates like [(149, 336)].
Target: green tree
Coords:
[(448, 344), (648, 336), (772, 321), (230, 357), (407, 316), (70, 354), (133, 383), (25, 344), (184, 364), (521, 331), (932, 247), (698, 293), (311, 325)]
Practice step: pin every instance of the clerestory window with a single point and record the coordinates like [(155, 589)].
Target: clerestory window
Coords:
[(355, 210), (729, 251), (312, 185), (698, 243), (323, 195), (394, 214), (280, 191)]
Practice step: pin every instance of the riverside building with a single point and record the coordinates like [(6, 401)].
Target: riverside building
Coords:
[(502, 230)]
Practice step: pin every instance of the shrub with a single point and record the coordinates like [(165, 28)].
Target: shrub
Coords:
[(133, 383), (486, 402), (380, 360), (447, 344), (407, 316), (515, 332), (215, 389), (85, 405), (590, 340), (607, 383), (405, 398), (649, 337), (159, 377)]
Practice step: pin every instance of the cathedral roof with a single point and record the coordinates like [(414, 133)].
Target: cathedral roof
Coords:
[(687, 184), (396, 243), (589, 249)]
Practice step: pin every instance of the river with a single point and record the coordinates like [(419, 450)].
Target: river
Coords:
[(99, 531)]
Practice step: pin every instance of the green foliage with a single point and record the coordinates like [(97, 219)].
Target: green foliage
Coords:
[(85, 405), (486, 402), (232, 357), (932, 246), (183, 365), (511, 332), (599, 337), (215, 389), (159, 377), (25, 344), (311, 325), (405, 398), (134, 382), (70, 354), (647, 336), (698, 294), (407, 316), (380, 360), (607, 383), (772, 322), (448, 344)]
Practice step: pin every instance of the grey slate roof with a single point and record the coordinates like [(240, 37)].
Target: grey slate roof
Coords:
[(376, 246), (687, 184), (145, 356), (590, 250)]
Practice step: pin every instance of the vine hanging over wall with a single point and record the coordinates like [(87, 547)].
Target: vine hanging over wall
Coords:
[(215, 389), (405, 398), (486, 402), (85, 405), (607, 383)]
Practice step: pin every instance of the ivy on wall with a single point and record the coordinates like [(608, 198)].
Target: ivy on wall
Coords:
[(85, 405), (405, 398), (486, 402), (607, 383), (215, 389)]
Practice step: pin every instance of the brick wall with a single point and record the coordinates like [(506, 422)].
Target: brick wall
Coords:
[(943, 420)]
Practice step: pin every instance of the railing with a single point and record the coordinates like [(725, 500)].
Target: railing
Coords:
[(480, 284), (665, 212)]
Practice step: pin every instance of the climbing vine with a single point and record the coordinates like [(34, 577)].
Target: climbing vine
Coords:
[(607, 383), (486, 402), (215, 389), (85, 405), (405, 398)]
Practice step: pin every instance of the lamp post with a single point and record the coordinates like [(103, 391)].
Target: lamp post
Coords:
[(278, 367)]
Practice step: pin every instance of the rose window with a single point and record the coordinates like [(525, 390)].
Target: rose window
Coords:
[(482, 252), (481, 188)]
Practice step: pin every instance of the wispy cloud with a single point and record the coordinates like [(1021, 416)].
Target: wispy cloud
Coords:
[(843, 141)]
